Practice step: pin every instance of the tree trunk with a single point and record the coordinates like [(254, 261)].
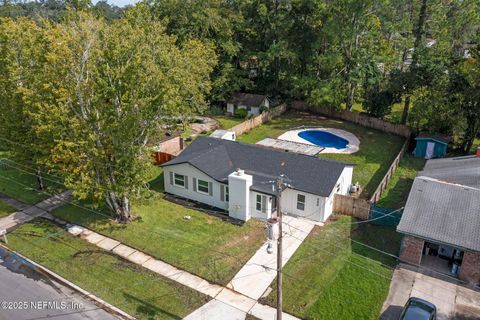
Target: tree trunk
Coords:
[(418, 32), (470, 134), (350, 94), (119, 205), (406, 108), (41, 185)]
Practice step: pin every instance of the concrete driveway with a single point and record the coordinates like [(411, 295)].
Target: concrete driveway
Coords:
[(453, 301)]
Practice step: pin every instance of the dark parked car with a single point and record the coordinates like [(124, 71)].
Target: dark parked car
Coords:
[(418, 309)]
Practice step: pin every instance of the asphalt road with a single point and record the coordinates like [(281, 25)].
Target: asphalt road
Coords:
[(26, 293)]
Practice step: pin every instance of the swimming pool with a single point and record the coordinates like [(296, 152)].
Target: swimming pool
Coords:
[(324, 139)]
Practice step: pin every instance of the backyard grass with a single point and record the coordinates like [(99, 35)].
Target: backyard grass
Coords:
[(204, 245), (395, 116), (226, 122), (377, 149), (5, 209), (329, 277), (133, 289), (396, 194)]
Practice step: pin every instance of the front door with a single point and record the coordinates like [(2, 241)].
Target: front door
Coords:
[(430, 150)]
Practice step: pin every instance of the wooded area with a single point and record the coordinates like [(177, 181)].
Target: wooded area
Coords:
[(84, 88)]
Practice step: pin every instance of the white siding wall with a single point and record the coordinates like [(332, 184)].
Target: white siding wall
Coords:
[(253, 210), (325, 204), (266, 103), (192, 172), (230, 108), (312, 211)]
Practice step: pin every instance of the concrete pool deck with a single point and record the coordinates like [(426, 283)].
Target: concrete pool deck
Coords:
[(353, 142)]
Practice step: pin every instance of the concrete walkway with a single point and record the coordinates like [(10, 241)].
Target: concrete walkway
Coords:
[(258, 273), (18, 205), (28, 213), (224, 300), (453, 301)]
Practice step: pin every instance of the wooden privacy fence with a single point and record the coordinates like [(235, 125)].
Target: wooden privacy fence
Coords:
[(356, 117), (266, 116), (355, 207), (386, 179)]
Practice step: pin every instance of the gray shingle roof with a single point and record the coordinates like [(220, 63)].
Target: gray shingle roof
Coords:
[(437, 137), (443, 212), (247, 99), (218, 158), (460, 170)]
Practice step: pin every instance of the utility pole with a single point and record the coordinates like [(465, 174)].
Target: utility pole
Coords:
[(279, 190)]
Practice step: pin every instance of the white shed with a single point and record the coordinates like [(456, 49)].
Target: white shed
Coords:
[(224, 134)]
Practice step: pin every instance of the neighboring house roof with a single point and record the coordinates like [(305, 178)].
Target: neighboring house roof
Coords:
[(247, 99), (218, 158), (437, 137), (443, 212), (460, 170)]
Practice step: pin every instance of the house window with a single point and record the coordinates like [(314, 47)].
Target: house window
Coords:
[(261, 203), (226, 194), (202, 186), (300, 202), (318, 202), (179, 180)]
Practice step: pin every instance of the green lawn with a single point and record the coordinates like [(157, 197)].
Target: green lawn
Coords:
[(226, 122), (17, 190), (396, 194), (329, 277), (133, 289), (377, 149), (204, 245), (5, 209)]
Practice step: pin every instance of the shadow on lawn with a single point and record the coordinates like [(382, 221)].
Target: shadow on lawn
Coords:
[(382, 238), (149, 310)]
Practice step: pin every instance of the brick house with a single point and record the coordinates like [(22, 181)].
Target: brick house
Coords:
[(441, 220)]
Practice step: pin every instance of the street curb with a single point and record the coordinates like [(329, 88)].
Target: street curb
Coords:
[(85, 294)]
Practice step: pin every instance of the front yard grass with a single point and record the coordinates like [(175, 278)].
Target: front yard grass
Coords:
[(204, 245), (24, 187), (377, 149), (133, 289), (396, 194), (330, 277), (6, 209)]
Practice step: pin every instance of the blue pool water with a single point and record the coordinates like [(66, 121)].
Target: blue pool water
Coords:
[(324, 139)]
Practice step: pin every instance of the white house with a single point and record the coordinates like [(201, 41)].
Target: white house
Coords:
[(224, 134), (239, 178), (249, 101)]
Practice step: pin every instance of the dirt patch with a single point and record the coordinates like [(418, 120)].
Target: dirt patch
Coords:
[(204, 125)]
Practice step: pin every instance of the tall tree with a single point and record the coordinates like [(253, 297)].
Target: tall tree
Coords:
[(108, 89)]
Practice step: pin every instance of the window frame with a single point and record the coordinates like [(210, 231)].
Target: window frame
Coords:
[(226, 194), (258, 195), (301, 202), (175, 175), (207, 187)]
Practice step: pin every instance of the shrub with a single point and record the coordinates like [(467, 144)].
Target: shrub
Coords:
[(241, 113)]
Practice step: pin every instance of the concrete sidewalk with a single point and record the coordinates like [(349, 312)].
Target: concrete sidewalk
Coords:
[(41, 209), (18, 205), (223, 298), (258, 273)]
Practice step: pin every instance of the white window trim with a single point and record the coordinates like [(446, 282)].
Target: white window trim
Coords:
[(262, 209), (226, 194), (304, 201), (203, 192), (175, 180)]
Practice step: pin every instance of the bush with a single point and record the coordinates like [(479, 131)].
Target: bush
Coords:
[(378, 103), (263, 109), (241, 113)]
